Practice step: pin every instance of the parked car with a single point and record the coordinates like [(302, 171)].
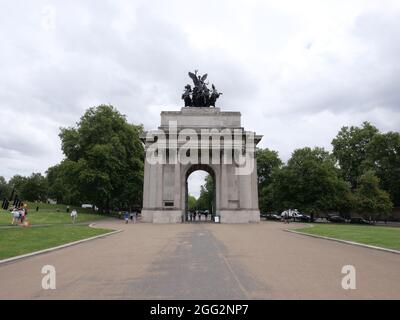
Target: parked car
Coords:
[(263, 215), (360, 221), (273, 216), (336, 219), (302, 218), (296, 215)]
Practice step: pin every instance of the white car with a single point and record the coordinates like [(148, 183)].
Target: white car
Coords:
[(291, 213), (296, 215)]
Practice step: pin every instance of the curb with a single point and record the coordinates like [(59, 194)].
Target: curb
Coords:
[(66, 245), (345, 241)]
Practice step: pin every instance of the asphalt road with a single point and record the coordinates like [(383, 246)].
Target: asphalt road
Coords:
[(204, 261)]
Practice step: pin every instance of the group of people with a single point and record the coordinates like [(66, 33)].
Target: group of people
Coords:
[(19, 215), (128, 216), (196, 215)]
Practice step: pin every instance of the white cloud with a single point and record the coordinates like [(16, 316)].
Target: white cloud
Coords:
[(297, 71)]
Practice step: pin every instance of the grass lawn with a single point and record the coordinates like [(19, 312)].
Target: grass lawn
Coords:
[(386, 237), (49, 217), (14, 242)]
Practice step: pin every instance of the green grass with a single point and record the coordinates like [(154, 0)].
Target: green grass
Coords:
[(385, 237), (49, 217), (14, 242), (53, 207)]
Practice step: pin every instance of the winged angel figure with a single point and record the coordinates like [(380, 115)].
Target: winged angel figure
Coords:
[(200, 96)]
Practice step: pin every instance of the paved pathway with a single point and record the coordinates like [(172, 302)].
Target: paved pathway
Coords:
[(204, 261)]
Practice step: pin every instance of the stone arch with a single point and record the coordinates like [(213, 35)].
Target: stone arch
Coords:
[(164, 187)]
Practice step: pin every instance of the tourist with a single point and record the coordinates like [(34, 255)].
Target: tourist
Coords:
[(134, 216), (126, 217), (74, 215), (15, 215), (22, 214), (287, 217), (25, 209)]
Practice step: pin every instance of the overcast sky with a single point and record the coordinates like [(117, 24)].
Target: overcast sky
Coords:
[(297, 70)]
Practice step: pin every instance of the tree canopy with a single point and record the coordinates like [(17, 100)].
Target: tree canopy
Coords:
[(371, 201), (350, 149), (104, 161), (309, 182), (207, 192)]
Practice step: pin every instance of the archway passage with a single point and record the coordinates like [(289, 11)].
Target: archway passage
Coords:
[(200, 195)]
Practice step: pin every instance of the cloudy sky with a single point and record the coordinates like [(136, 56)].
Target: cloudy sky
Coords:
[(297, 70)]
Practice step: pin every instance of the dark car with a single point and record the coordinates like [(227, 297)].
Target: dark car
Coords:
[(359, 221), (273, 216), (336, 219), (303, 218), (270, 216)]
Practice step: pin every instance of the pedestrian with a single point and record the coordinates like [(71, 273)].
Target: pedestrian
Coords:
[(126, 216), (74, 215), (25, 210), (134, 216), (15, 215), (67, 209), (21, 214), (37, 208)]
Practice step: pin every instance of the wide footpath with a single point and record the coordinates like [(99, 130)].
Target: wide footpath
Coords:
[(204, 261)]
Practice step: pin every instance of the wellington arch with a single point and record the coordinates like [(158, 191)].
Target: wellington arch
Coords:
[(200, 137)]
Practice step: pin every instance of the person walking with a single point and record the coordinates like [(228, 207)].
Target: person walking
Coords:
[(134, 216), (15, 215), (126, 217), (74, 215), (22, 214)]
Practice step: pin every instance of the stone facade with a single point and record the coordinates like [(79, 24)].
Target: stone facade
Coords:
[(165, 184)]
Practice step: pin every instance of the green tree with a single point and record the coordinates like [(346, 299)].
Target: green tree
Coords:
[(267, 162), (383, 157), (105, 159), (371, 201), (309, 182), (34, 188), (350, 150), (4, 189), (17, 184), (61, 180), (192, 203), (206, 199)]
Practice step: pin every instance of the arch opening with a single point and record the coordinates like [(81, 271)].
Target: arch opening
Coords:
[(200, 194)]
